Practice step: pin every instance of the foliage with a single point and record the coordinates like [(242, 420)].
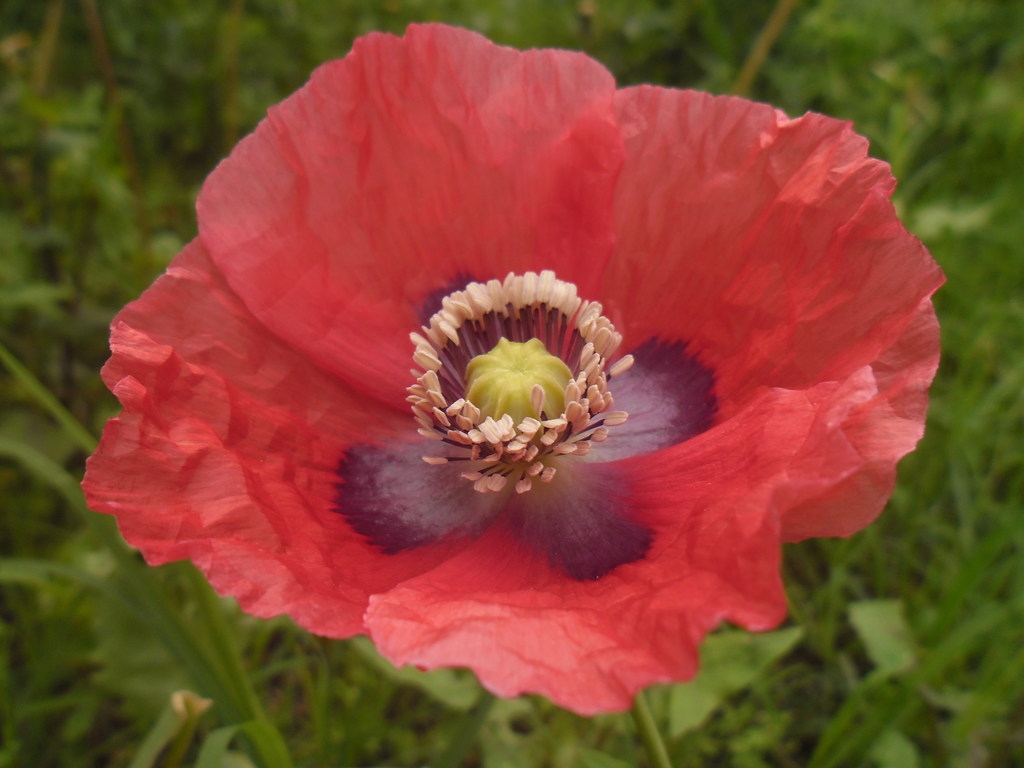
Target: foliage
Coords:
[(111, 116)]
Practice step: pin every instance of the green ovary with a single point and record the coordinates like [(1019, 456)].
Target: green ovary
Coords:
[(501, 380)]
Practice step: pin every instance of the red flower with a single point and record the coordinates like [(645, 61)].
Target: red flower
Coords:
[(778, 314)]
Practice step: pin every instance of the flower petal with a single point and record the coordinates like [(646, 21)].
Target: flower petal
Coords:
[(669, 397), (226, 453), (753, 253), (714, 504), (768, 244), (589, 646), (579, 522), (874, 430), (407, 162), (391, 496)]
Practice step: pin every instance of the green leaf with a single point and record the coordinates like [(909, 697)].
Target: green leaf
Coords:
[(47, 400), (883, 629), (38, 296), (175, 728), (730, 661), (45, 469), (215, 752), (38, 573), (591, 758), (27, 572), (133, 662), (894, 750), (454, 688), (215, 748)]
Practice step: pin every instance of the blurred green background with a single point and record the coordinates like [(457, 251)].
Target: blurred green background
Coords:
[(905, 645)]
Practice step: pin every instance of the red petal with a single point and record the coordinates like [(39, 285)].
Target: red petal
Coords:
[(226, 454), (768, 244), (400, 166), (669, 396), (398, 502), (522, 627), (817, 461), (580, 524), (844, 473)]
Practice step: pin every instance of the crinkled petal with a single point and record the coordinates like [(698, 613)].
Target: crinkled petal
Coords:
[(398, 502), (226, 454), (769, 245), (408, 162), (580, 524), (589, 646), (669, 397), (264, 369), (844, 475), (716, 505)]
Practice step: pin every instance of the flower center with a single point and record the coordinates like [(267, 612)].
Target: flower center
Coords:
[(503, 380), (514, 379)]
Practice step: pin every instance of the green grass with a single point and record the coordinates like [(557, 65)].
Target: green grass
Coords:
[(910, 650)]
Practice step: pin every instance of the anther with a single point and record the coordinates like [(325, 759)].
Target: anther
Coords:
[(620, 366), (539, 393)]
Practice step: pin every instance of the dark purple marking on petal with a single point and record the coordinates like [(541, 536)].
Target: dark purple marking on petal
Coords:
[(431, 303), (398, 502), (579, 522), (669, 397)]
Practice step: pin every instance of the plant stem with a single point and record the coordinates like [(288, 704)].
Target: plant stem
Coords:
[(208, 651), (126, 145), (649, 734), (762, 46), (47, 400)]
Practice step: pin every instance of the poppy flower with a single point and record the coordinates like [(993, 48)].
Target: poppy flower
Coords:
[(655, 334)]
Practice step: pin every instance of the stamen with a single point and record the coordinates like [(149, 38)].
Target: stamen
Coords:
[(620, 366), (614, 418), (515, 436), (537, 397)]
